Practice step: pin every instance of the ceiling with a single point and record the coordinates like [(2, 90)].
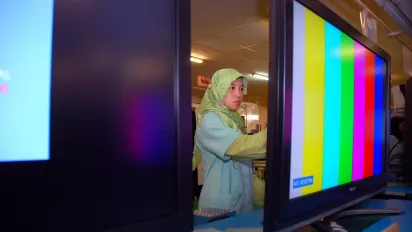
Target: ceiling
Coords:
[(235, 34)]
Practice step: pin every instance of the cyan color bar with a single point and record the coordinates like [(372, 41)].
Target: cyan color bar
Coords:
[(331, 146)]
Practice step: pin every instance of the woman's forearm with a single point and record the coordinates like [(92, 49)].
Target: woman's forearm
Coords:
[(249, 146)]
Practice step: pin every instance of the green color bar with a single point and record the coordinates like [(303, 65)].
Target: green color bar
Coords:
[(346, 134)]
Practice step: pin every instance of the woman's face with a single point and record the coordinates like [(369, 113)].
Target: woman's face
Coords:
[(234, 95)]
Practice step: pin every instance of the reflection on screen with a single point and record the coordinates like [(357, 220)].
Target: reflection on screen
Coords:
[(25, 78), (338, 107)]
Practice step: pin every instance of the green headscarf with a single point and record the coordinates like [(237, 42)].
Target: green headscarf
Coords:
[(211, 102)]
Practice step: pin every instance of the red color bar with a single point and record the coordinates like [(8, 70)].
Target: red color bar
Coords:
[(369, 113)]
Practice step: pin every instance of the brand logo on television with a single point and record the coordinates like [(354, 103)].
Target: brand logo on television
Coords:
[(302, 182), (352, 189)]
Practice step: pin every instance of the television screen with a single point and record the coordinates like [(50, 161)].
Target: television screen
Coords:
[(338, 107), (25, 79)]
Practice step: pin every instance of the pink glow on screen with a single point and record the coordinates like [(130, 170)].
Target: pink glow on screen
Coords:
[(4, 89), (148, 127)]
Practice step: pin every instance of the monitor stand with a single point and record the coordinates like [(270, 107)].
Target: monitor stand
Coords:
[(365, 211), (387, 195), (332, 224)]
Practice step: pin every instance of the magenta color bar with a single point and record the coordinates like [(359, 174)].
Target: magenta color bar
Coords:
[(359, 114)]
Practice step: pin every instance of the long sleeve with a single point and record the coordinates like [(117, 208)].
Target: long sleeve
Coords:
[(249, 146)]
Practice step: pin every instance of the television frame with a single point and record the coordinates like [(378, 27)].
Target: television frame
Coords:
[(280, 212), (407, 161), (182, 219)]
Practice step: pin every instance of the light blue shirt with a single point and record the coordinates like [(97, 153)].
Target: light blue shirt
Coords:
[(227, 184)]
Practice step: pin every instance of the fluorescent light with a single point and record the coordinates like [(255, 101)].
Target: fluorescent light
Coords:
[(196, 60), (260, 76), (252, 117)]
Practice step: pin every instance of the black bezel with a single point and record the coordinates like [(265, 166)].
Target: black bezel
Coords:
[(280, 212), (182, 220)]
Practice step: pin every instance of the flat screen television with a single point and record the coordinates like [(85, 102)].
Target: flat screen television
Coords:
[(328, 115), (94, 112)]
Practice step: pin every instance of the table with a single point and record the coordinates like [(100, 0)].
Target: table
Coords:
[(404, 221)]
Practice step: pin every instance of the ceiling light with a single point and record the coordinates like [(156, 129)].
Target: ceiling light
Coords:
[(253, 117), (260, 76), (196, 60)]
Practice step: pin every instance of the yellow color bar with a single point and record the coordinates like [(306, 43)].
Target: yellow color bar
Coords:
[(314, 101)]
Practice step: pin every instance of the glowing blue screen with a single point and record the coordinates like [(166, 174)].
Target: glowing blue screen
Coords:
[(26, 29)]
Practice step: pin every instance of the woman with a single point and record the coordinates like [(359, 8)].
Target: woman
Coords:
[(396, 145), (222, 146)]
